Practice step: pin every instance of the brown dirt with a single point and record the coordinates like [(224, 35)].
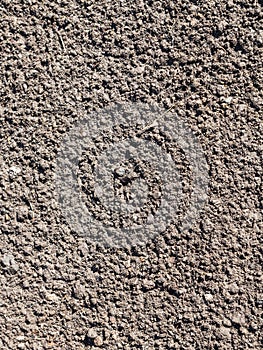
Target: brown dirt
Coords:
[(196, 290)]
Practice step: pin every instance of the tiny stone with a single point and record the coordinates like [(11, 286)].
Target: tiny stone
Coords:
[(8, 260), (226, 322), (120, 171), (26, 284), (52, 297), (254, 326), (225, 332), (98, 192), (228, 99), (98, 341), (139, 70), (181, 291), (93, 301), (15, 170), (208, 297), (92, 333), (148, 284), (238, 319), (20, 338), (173, 287), (243, 330)]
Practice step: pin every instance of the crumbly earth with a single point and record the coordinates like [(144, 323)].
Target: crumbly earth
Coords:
[(196, 290)]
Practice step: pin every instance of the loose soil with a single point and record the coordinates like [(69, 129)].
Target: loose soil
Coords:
[(200, 289)]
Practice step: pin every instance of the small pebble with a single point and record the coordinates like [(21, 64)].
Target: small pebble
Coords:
[(92, 333), (51, 297), (225, 332), (20, 338), (26, 284), (238, 319), (243, 330), (98, 341), (15, 170), (8, 260), (208, 297), (120, 171), (227, 322), (228, 99)]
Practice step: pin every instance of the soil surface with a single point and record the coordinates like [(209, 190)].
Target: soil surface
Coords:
[(200, 289)]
